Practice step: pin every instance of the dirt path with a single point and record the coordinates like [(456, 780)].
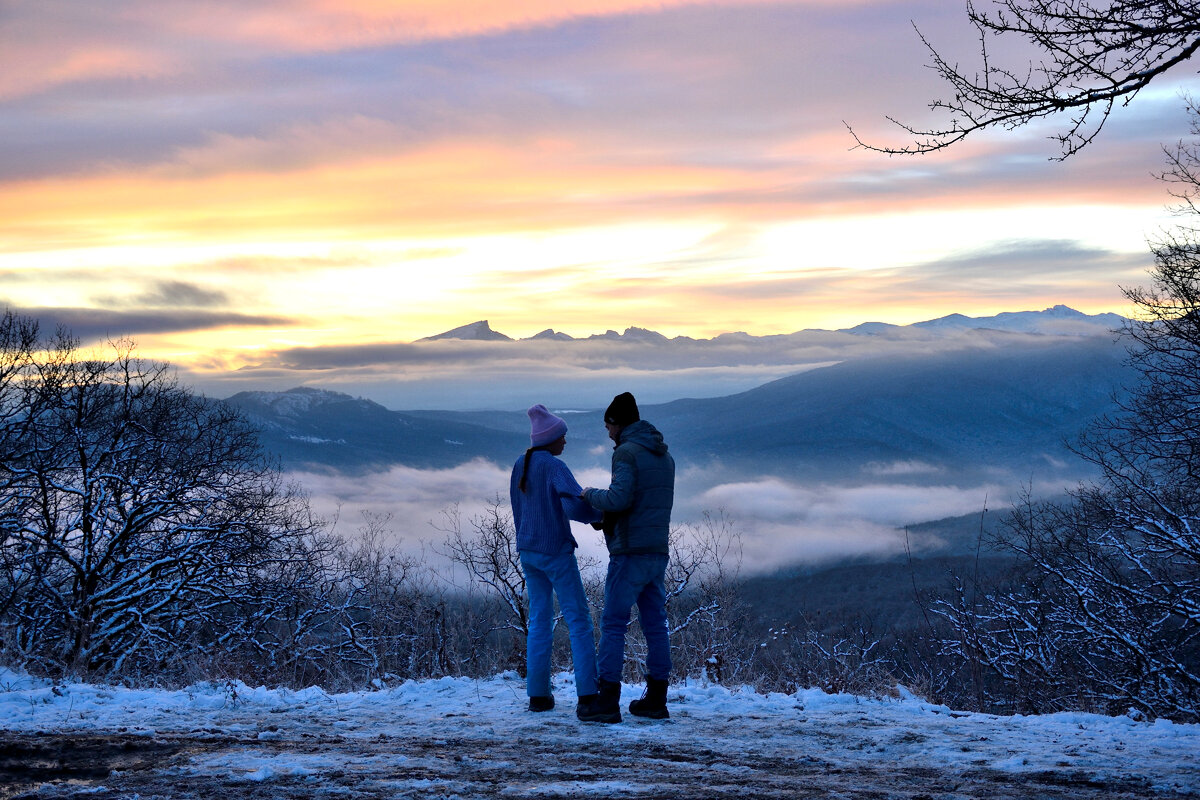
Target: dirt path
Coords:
[(462, 738), (220, 767)]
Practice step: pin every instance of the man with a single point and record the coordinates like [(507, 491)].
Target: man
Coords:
[(637, 506)]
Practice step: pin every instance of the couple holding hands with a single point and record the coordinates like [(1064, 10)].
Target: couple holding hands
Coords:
[(635, 514)]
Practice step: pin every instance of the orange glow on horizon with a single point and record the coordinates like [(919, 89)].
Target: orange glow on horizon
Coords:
[(452, 189), (232, 180)]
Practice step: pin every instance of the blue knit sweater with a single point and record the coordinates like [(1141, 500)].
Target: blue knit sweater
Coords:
[(550, 499)]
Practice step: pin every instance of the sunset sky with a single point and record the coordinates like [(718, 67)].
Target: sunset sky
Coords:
[(226, 181)]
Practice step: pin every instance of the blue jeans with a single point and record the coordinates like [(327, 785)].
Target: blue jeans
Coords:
[(639, 579), (545, 576)]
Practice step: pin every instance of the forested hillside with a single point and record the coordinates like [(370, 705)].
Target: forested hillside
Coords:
[(1007, 401)]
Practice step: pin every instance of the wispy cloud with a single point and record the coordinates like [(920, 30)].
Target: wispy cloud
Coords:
[(373, 172), (92, 325), (178, 293)]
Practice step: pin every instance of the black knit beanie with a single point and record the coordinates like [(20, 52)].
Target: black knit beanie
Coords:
[(622, 410)]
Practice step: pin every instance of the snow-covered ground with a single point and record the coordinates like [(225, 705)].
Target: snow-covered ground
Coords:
[(473, 738)]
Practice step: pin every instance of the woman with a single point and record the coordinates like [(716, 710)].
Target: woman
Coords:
[(545, 496)]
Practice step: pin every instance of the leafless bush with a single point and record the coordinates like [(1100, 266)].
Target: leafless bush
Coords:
[(143, 532), (1099, 618), (851, 660), (400, 607), (493, 594)]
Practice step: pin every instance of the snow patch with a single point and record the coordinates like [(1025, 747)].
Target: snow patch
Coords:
[(739, 726)]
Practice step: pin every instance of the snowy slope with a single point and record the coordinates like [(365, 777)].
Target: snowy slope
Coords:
[(1059, 320), (467, 738)]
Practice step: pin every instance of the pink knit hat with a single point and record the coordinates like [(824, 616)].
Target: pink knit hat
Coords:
[(544, 427)]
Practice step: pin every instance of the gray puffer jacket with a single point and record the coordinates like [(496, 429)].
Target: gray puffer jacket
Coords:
[(641, 493)]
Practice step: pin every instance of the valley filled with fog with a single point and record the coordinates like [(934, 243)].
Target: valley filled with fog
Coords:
[(843, 440)]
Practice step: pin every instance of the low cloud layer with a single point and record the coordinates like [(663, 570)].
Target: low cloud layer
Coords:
[(421, 505), (585, 374), (781, 523), (785, 523)]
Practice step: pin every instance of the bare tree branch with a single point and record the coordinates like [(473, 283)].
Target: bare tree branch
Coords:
[(1089, 56)]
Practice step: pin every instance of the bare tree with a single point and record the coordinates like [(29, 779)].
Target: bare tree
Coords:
[(140, 516), (1087, 57), (19, 338), (1107, 612)]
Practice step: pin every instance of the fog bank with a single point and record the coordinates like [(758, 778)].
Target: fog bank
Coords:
[(781, 523)]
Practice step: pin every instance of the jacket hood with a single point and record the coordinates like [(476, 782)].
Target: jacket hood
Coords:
[(644, 434)]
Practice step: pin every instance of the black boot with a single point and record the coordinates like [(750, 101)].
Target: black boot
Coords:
[(603, 707), (541, 703), (587, 707), (654, 701)]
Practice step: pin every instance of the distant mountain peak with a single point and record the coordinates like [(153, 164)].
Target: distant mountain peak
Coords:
[(643, 335), (631, 334), (871, 328), (1065, 312), (557, 336), (479, 331), (1058, 319), (294, 402)]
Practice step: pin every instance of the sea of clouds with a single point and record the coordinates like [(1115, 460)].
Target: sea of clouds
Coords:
[(781, 522)]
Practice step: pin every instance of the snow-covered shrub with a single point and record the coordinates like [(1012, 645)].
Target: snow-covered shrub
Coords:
[(137, 519), (1106, 613)]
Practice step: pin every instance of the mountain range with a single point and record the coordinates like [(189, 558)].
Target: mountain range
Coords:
[(1059, 319), (1007, 398)]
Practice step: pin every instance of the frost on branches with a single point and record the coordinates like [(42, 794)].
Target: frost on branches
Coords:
[(136, 519), (1107, 611)]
